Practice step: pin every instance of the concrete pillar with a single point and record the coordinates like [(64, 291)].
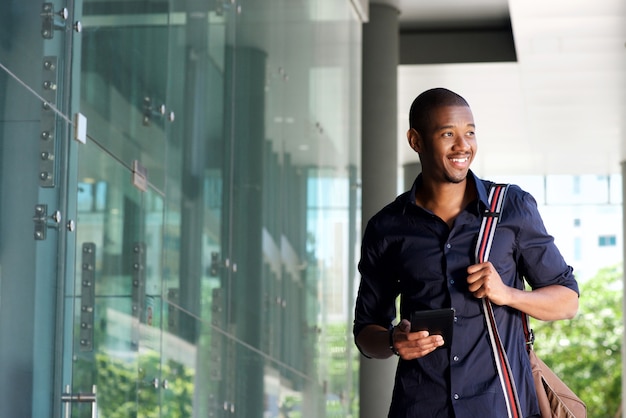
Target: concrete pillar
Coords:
[(410, 172), (379, 166)]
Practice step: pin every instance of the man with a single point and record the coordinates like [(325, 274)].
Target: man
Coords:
[(421, 247)]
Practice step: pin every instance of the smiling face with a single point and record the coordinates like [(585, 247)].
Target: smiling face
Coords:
[(447, 144)]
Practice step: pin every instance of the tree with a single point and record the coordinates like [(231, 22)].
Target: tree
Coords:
[(586, 351)]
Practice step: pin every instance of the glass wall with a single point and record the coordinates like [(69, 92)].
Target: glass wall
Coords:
[(179, 208)]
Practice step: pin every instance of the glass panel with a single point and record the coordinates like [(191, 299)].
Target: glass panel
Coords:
[(196, 160), (196, 269), (124, 80), (216, 276), (204, 378), (150, 341), (190, 371), (292, 123), (118, 304)]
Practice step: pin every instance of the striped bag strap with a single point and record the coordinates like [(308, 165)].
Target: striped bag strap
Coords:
[(497, 194)]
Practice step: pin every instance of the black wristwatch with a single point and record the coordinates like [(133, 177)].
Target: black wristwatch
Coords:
[(391, 347)]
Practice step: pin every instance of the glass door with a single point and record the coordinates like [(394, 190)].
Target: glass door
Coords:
[(116, 345), (117, 306)]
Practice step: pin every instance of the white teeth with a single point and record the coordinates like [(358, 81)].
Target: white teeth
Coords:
[(459, 160)]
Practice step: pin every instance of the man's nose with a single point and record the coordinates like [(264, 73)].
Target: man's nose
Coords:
[(461, 142)]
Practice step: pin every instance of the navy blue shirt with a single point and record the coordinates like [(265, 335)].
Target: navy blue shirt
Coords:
[(409, 251)]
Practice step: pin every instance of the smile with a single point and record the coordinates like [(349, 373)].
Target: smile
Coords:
[(459, 160)]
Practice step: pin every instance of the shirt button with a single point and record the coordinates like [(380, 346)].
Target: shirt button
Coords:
[(455, 358), (451, 281), (448, 245), (456, 396)]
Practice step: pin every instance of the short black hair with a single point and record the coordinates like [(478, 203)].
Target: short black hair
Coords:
[(419, 115)]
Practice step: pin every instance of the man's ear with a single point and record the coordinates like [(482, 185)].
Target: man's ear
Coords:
[(415, 140)]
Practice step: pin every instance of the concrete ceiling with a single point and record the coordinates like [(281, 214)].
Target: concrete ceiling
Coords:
[(560, 109)]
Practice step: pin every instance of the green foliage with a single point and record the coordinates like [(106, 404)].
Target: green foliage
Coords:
[(124, 391), (341, 384), (586, 351)]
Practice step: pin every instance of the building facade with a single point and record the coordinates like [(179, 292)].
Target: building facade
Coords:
[(179, 207)]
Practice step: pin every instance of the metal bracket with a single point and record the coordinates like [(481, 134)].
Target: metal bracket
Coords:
[(138, 287), (152, 111), (173, 317), (49, 17), (217, 265), (48, 122), (222, 5), (88, 296), (216, 348), (43, 221), (140, 176)]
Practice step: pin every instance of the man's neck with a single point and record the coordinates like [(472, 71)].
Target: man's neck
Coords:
[(445, 200)]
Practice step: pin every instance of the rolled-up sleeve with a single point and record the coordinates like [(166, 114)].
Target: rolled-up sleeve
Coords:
[(375, 303)]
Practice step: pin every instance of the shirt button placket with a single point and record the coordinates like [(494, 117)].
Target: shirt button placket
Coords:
[(448, 246)]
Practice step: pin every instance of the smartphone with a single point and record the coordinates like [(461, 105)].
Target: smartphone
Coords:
[(435, 321)]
